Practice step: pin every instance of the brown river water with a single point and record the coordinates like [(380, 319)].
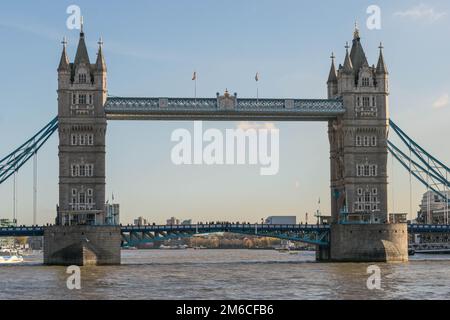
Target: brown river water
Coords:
[(228, 274)]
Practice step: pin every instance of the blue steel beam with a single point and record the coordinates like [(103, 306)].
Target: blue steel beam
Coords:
[(290, 232), (16, 159), (431, 172), (311, 234)]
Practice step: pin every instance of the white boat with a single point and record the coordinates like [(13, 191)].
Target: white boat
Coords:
[(8, 256)]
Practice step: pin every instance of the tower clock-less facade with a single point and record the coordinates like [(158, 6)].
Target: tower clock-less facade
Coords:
[(358, 139), (82, 128)]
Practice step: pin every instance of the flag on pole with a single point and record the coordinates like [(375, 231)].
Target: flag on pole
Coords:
[(257, 77), (194, 76)]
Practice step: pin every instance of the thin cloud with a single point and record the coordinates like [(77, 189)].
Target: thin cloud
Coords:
[(422, 12), (442, 101), (110, 46)]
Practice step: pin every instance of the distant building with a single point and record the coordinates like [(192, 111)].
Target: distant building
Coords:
[(6, 223), (7, 242), (140, 221), (173, 221), (112, 214), (187, 222), (398, 217), (281, 220), (433, 209)]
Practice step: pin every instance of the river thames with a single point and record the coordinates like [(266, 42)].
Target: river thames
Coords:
[(228, 274)]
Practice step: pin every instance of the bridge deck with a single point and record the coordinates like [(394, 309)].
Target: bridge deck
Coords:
[(122, 108), (214, 228)]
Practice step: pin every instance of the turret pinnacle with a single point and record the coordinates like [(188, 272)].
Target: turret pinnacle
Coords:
[(64, 64), (357, 54), (381, 66), (348, 65), (332, 77), (82, 53), (100, 65)]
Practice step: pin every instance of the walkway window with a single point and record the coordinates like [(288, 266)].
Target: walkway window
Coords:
[(90, 170), (82, 140), (90, 139), (366, 141), (82, 78), (374, 141), (74, 170), (82, 198), (74, 139), (82, 170), (366, 102), (373, 170), (365, 82), (82, 99)]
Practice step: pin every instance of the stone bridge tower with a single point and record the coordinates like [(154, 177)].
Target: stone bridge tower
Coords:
[(358, 139), (360, 230), (81, 236), (82, 128)]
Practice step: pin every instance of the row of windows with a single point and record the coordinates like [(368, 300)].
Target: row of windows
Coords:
[(365, 82), (366, 170), (366, 101), (82, 170), (82, 200), (366, 141), (82, 139), (367, 200), (82, 78), (361, 192), (82, 98)]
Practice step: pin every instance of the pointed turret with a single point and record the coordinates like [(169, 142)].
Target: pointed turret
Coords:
[(64, 64), (381, 66), (332, 77), (357, 54), (82, 53), (348, 65), (100, 64)]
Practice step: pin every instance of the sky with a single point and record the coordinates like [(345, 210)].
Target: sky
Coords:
[(152, 49)]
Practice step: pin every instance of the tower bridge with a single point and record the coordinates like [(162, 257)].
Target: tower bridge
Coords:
[(356, 110)]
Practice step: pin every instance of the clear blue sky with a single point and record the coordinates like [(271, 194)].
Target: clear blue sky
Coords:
[(152, 48)]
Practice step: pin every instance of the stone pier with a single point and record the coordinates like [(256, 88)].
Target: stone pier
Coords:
[(82, 245), (366, 243)]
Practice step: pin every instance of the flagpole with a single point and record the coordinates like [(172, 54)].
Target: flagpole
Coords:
[(257, 88), (194, 78)]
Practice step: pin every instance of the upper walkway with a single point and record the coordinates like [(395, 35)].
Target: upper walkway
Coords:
[(222, 108)]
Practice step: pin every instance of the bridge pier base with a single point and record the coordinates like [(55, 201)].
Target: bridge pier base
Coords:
[(82, 245), (366, 243)]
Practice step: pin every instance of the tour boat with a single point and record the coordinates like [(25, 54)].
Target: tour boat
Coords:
[(10, 256)]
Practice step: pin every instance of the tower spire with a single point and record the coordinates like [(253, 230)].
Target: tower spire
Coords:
[(82, 53), (100, 64), (357, 54), (332, 77), (82, 25), (356, 31), (64, 64), (348, 65), (381, 66)]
